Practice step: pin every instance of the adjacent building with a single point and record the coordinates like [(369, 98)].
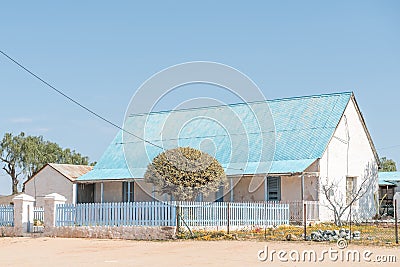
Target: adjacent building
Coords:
[(389, 184), (55, 178)]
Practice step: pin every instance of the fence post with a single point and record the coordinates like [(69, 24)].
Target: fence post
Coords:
[(23, 214), (178, 226), (351, 233), (396, 231), (265, 219), (227, 217), (305, 220), (50, 203)]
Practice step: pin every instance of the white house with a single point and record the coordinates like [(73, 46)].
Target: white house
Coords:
[(55, 178), (349, 159), (319, 140)]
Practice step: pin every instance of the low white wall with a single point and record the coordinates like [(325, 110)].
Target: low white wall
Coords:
[(115, 232)]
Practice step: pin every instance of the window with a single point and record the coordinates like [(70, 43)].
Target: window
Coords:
[(350, 189), (127, 191), (274, 188)]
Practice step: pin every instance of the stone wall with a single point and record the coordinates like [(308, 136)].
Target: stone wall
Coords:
[(8, 231), (115, 232)]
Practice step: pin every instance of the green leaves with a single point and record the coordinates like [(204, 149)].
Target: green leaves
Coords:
[(184, 173), (25, 155), (388, 165)]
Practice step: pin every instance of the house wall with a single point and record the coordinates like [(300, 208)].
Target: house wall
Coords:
[(143, 191), (244, 191), (49, 181), (311, 186), (353, 159), (290, 188), (97, 192), (112, 192)]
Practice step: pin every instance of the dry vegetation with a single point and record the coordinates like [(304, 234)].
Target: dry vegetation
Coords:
[(382, 234)]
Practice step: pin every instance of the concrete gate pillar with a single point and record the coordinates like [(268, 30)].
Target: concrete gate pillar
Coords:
[(50, 204), (23, 214)]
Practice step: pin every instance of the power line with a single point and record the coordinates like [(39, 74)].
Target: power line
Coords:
[(388, 147), (74, 101)]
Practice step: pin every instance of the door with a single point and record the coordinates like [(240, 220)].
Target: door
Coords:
[(85, 193)]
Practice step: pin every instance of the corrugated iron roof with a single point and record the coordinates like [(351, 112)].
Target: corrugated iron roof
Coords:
[(71, 171), (388, 178), (303, 125)]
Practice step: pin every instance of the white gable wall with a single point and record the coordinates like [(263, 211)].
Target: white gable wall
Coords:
[(355, 158), (48, 181)]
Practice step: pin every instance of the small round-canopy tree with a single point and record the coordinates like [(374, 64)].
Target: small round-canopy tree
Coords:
[(184, 173)]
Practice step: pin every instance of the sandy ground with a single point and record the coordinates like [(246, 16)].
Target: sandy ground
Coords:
[(95, 252)]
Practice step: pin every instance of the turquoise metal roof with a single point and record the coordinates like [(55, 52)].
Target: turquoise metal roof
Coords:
[(303, 129), (388, 178)]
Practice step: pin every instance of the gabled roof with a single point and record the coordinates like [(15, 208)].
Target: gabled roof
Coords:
[(303, 125), (69, 171)]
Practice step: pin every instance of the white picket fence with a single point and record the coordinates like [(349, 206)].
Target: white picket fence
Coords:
[(312, 210), (164, 214), (297, 210), (234, 214), (6, 215), (116, 214)]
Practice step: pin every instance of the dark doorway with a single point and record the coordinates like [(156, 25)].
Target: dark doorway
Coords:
[(85, 193)]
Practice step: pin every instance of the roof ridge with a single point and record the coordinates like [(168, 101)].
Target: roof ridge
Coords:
[(52, 163), (245, 103)]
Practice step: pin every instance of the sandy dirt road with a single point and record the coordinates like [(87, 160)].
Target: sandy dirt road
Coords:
[(97, 252)]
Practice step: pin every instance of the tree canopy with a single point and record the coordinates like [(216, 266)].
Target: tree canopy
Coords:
[(388, 165), (184, 173), (22, 156)]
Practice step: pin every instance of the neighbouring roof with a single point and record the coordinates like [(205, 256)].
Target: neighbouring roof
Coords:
[(304, 127), (69, 171), (388, 178)]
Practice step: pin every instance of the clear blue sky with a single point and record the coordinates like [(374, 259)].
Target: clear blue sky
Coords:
[(100, 53)]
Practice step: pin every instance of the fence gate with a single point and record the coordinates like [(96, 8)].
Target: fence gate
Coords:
[(38, 220)]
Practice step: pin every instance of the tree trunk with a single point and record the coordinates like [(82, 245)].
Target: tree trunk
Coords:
[(14, 181), (14, 187), (338, 220)]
